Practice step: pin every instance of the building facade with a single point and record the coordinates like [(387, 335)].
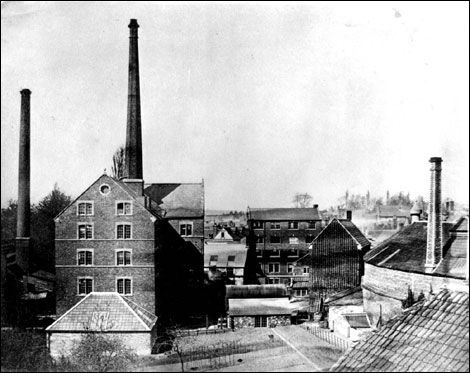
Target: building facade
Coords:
[(280, 237)]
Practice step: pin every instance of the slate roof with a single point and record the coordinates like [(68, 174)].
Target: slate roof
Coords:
[(284, 214), (406, 251), (260, 306), (354, 232), (429, 336), (109, 312), (223, 251), (178, 200), (391, 211)]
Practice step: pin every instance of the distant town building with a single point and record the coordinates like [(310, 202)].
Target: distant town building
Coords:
[(280, 237)]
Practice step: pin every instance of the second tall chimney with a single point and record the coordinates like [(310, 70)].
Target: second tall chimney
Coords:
[(434, 239), (133, 151), (24, 213)]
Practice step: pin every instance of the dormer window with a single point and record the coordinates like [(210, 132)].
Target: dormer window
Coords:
[(186, 229), (85, 208), (123, 208)]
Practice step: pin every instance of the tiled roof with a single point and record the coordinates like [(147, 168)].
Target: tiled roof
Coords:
[(223, 251), (107, 312), (455, 257), (406, 250), (391, 211), (355, 232), (178, 200), (259, 306), (255, 291), (429, 336), (284, 214)]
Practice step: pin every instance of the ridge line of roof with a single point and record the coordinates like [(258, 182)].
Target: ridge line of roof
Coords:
[(133, 312)]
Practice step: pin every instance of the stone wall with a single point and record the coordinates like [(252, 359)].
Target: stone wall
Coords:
[(249, 321), (61, 344), (388, 287)]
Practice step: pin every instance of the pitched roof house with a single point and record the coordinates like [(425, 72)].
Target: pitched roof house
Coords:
[(431, 336)]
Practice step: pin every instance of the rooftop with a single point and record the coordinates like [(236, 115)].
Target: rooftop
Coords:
[(256, 291), (429, 336), (223, 251), (260, 306), (406, 251), (284, 214), (109, 312)]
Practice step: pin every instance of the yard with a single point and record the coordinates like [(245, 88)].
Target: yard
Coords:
[(289, 348)]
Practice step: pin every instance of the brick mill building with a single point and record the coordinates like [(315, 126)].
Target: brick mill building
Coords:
[(280, 237), (143, 241)]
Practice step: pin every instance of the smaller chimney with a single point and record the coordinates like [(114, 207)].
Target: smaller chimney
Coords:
[(349, 215), (315, 206), (434, 238)]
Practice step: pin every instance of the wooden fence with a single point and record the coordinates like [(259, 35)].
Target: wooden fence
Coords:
[(328, 336)]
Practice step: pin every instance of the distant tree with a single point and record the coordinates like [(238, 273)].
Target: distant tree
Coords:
[(9, 220), (117, 169), (302, 200)]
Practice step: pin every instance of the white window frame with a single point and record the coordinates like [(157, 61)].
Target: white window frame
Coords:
[(124, 214), (274, 267), (124, 278), (124, 230), (85, 214), (293, 222), (92, 230), (305, 271), (274, 280), (116, 251), (85, 278), (92, 257), (186, 222)]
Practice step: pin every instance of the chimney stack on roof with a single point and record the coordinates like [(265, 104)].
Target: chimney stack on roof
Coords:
[(349, 215), (434, 240), (133, 174), (24, 211)]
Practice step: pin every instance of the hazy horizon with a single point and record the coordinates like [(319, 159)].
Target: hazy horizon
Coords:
[(262, 101)]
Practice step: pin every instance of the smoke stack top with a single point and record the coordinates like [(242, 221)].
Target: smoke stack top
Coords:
[(434, 238), (133, 151)]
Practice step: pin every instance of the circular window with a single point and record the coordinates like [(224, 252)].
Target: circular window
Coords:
[(104, 189)]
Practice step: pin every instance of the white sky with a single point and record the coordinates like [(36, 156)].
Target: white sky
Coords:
[(261, 100)]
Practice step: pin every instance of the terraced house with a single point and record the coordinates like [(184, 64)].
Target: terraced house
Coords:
[(129, 237)]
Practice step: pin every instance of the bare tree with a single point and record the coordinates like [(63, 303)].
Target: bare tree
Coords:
[(117, 169), (302, 200)]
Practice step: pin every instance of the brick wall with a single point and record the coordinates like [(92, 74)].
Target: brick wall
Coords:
[(388, 287), (104, 244)]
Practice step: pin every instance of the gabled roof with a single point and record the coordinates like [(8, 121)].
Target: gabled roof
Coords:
[(406, 250), (118, 183), (284, 214), (110, 312), (178, 200), (348, 226), (429, 336), (223, 251)]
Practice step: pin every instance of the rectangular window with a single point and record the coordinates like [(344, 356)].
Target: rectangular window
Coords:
[(273, 267), (85, 286), (85, 257), (124, 286), (231, 259), (293, 225), (259, 253), (123, 258), (85, 208), (290, 268), (85, 231), (186, 229), (294, 240), (258, 225), (275, 225), (311, 225), (213, 260), (274, 281), (275, 253), (123, 208), (261, 321), (306, 270), (123, 231), (275, 239)]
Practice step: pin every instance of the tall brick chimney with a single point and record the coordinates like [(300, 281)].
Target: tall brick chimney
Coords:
[(24, 212), (133, 153), (434, 240)]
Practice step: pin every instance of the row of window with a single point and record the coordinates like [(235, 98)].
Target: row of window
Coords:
[(214, 258), (124, 231), (276, 268), (87, 208), (85, 285), (277, 253), (85, 257), (292, 240), (291, 225)]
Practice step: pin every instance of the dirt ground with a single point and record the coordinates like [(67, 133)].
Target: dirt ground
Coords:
[(299, 351)]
